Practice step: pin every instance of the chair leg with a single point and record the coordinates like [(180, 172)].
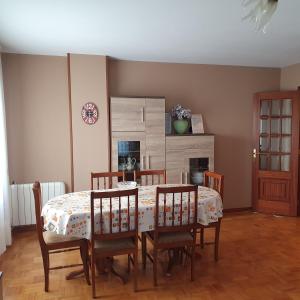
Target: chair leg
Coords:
[(217, 238), (192, 263), (45, 255), (144, 250), (155, 266), (202, 237), (135, 268), (85, 260), (93, 276)]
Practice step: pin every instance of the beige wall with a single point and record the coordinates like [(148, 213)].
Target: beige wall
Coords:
[(223, 94), (36, 98), (290, 77), (36, 92), (90, 142)]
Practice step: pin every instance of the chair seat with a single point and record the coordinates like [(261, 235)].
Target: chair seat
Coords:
[(54, 238), (114, 245), (172, 237)]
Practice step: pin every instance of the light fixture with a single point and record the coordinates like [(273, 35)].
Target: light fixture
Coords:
[(260, 13)]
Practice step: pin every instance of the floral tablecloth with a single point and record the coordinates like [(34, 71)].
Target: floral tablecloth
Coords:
[(70, 214)]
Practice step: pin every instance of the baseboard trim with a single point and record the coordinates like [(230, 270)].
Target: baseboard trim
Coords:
[(24, 228), (238, 209)]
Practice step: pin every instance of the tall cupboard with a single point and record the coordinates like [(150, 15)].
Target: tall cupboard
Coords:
[(138, 133)]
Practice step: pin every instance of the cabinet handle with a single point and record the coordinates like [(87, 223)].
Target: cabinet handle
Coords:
[(149, 162), (186, 177), (143, 117), (181, 173), (142, 162)]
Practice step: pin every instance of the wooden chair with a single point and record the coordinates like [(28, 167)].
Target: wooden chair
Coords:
[(175, 233), (121, 239), (52, 243), (107, 179), (216, 182), (160, 174), (1, 286)]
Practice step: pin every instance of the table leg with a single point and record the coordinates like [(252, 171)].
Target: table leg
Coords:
[(106, 266), (175, 259), (74, 274), (103, 266)]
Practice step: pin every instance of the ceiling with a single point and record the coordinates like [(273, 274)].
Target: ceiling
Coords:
[(183, 31)]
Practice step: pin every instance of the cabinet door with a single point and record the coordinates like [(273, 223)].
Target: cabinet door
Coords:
[(181, 154), (127, 114), (155, 134), (175, 167), (192, 156), (128, 144)]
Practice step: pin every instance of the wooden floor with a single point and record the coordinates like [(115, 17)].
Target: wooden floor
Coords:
[(259, 259)]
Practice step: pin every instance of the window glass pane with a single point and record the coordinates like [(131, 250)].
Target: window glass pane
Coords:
[(263, 162), (275, 143), (286, 124), (286, 107), (264, 126), (286, 144), (264, 107), (263, 144), (275, 108), (285, 162), (275, 162), (275, 125)]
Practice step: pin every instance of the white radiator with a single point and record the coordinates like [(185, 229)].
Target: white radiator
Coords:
[(22, 200)]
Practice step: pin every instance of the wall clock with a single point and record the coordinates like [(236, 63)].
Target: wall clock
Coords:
[(89, 113)]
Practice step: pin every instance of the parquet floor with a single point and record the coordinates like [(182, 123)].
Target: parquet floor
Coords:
[(259, 259)]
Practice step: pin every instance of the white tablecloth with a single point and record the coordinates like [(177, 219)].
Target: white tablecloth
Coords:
[(69, 214)]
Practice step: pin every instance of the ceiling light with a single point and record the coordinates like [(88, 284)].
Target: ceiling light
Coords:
[(260, 13)]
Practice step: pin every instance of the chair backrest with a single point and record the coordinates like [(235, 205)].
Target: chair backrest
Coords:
[(107, 177), (214, 181), (38, 209), (150, 177), (114, 214), (176, 208)]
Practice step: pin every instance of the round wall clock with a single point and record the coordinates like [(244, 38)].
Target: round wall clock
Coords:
[(89, 113)]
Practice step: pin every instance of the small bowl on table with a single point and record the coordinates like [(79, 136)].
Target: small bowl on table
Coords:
[(126, 185)]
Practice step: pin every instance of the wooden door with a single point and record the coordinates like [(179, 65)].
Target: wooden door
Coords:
[(119, 150), (128, 114), (275, 153), (155, 134)]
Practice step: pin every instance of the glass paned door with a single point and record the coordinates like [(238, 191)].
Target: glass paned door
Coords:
[(275, 134), (275, 188)]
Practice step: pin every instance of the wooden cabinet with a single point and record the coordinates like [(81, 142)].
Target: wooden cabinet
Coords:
[(140, 121), (187, 156)]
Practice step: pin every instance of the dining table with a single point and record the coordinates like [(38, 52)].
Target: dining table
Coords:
[(70, 214)]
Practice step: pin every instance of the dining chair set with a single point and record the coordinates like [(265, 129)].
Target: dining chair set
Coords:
[(175, 224)]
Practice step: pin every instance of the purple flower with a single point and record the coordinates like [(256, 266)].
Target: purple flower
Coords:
[(180, 113)]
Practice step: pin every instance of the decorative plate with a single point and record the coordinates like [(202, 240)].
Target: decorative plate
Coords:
[(89, 113)]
